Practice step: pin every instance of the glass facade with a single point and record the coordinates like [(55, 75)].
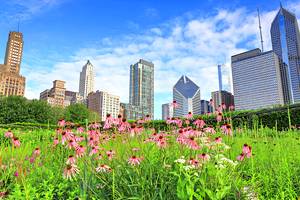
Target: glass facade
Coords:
[(286, 43), (141, 89)]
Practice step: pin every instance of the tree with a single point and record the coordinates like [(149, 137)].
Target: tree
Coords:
[(76, 113)]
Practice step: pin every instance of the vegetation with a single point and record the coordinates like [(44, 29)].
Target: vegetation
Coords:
[(15, 109)]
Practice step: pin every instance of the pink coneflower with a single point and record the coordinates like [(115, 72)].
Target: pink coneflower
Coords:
[(72, 144), (219, 117), (174, 104), (133, 160), (110, 154), (94, 150), (199, 123), (191, 143), (211, 102), (135, 149), (99, 157), (71, 160), (226, 128), (124, 126), (241, 157), (231, 108), (204, 157), (36, 152), (80, 129), (209, 130), (223, 106), (61, 123), (189, 115), (80, 150), (16, 174), (103, 168), (32, 159), (71, 171), (247, 150), (194, 162), (79, 139), (16, 142), (8, 134), (108, 122), (55, 142), (218, 140), (147, 118)]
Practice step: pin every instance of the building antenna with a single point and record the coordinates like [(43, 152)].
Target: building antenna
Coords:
[(260, 31)]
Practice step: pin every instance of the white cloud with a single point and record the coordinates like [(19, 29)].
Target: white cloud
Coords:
[(193, 46)]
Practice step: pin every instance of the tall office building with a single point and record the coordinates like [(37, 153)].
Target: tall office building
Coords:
[(286, 44), (11, 82), (141, 91), (257, 80), (167, 111), (222, 97), (104, 103), (206, 107), (87, 79), (187, 94)]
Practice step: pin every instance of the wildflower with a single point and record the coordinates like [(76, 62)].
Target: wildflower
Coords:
[(189, 115), (226, 128), (8, 134), (247, 150), (135, 149), (16, 174), (191, 143), (204, 157), (209, 130), (199, 123), (133, 160), (147, 118), (174, 104), (55, 142), (61, 123), (231, 107), (71, 160), (110, 154), (80, 129), (180, 160), (218, 140), (108, 122), (94, 150), (241, 157), (103, 168), (71, 171), (32, 159), (16, 142), (72, 144), (36, 152), (223, 106), (80, 151), (194, 162)]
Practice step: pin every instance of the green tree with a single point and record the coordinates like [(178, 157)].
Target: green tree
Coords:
[(13, 109), (76, 113), (38, 111)]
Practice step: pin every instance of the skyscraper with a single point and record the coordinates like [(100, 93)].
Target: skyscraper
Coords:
[(257, 80), (11, 82), (187, 94), (286, 44), (56, 95), (167, 111), (222, 97), (206, 107), (87, 79), (141, 90)]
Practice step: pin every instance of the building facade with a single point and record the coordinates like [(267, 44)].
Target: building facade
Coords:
[(56, 95), (141, 89), (206, 107), (167, 111), (257, 80), (222, 97), (187, 95), (87, 79), (286, 44), (104, 103), (73, 97), (11, 82)]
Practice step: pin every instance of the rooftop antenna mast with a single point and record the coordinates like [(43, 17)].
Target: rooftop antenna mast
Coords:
[(260, 31)]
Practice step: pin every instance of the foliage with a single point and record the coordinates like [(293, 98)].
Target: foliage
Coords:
[(76, 113)]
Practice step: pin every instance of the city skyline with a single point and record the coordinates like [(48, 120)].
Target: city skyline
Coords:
[(167, 41)]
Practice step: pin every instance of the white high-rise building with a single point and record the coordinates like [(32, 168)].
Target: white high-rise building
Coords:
[(104, 103), (187, 94), (87, 79), (257, 80)]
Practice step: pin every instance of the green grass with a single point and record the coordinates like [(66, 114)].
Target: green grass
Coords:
[(273, 172)]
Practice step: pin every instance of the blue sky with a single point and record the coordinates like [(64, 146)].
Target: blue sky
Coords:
[(179, 37)]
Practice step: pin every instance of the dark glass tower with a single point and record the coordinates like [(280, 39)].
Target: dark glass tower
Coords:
[(286, 44)]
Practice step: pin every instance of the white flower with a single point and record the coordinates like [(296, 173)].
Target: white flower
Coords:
[(180, 160), (189, 167)]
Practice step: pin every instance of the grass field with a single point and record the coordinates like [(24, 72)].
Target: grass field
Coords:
[(142, 164)]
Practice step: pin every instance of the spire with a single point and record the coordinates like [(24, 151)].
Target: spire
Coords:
[(281, 5), (260, 31)]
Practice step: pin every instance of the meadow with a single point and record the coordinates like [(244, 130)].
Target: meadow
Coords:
[(121, 161)]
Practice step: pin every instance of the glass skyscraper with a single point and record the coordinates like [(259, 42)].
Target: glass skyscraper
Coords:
[(286, 44), (141, 91)]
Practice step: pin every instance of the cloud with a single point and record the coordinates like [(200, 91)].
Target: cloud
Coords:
[(151, 13), (193, 46), (25, 9)]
